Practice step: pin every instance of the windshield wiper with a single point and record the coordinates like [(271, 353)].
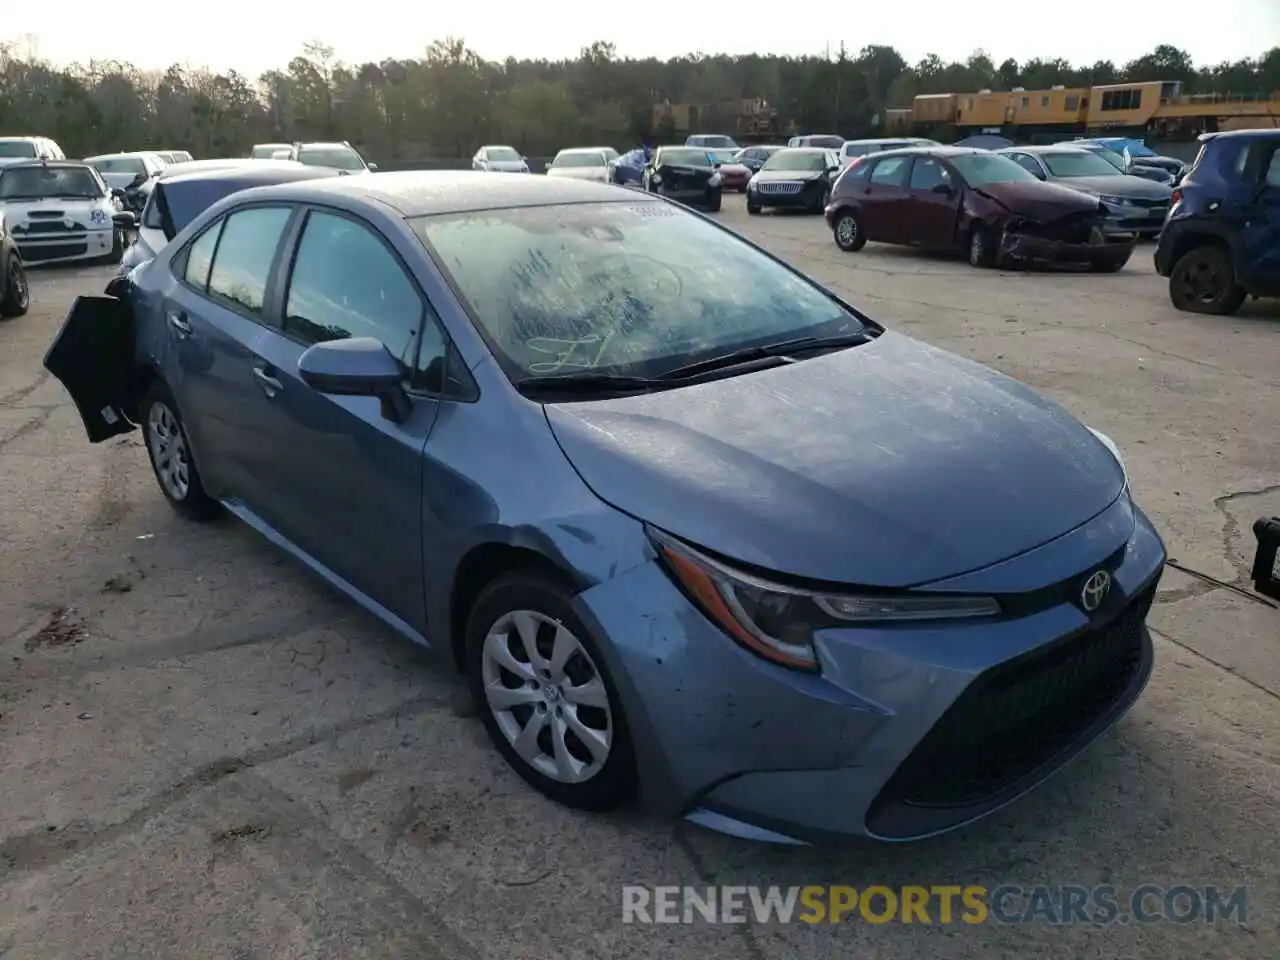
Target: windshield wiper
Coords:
[(783, 349), (591, 383)]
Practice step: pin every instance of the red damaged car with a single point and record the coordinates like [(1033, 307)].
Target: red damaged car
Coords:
[(955, 198)]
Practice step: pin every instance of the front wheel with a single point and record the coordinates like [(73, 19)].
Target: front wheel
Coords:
[(545, 694), (1203, 281), (753, 206), (15, 299), (169, 449), (848, 233), (984, 251)]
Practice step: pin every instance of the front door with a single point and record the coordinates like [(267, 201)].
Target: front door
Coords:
[(932, 208), (352, 479), (1260, 237), (214, 315)]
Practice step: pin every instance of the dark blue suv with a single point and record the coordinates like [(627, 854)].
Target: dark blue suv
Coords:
[(1221, 242)]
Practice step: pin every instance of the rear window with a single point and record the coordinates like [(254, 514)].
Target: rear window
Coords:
[(338, 158), (133, 165)]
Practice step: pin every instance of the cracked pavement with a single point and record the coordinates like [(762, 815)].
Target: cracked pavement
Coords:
[(206, 753)]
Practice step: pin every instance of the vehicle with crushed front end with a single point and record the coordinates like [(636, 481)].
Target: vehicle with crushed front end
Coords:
[(1133, 203), (62, 211), (180, 196), (684, 174), (128, 172), (664, 500), (15, 294), (794, 178), (733, 174), (1221, 243), (976, 201)]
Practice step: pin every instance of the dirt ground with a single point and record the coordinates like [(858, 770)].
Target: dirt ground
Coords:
[(204, 753)]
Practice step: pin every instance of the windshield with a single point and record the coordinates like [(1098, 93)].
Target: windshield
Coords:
[(686, 157), (134, 165), (979, 169), (339, 158), (619, 288), (502, 154), (807, 160), (713, 140), (17, 148), (1112, 158), (34, 183), (267, 151), (589, 159), (821, 140), (1077, 163), (723, 156)]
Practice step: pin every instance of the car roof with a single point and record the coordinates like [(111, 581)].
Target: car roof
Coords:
[(809, 149), (930, 151), (1258, 133), (124, 153), (262, 173), (418, 193), (1045, 148), (33, 162), (229, 163), (581, 150), (337, 144)]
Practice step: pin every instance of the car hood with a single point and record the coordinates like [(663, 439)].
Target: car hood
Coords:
[(579, 173), (20, 212), (1038, 201), (890, 464), (1121, 185), (789, 175)]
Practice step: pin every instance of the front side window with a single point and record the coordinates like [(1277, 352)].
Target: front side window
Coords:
[(346, 283), (246, 251), (619, 287), (200, 257), (1026, 162), (929, 173), (891, 172)]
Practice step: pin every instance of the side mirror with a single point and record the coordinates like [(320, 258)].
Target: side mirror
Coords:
[(356, 367), (943, 189), (125, 220), (372, 166)]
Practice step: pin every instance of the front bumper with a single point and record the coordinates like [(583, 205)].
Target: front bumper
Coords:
[(907, 732), (65, 247), (1132, 218), (1105, 244)]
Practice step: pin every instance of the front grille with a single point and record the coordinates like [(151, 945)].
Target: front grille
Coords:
[(55, 227), (779, 186), (45, 215), (52, 251), (1016, 717)]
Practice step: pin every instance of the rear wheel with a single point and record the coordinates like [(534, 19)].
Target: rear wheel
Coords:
[(169, 450), (15, 299), (848, 232), (1203, 281)]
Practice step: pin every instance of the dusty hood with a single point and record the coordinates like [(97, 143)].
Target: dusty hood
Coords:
[(94, 214), (1038, 201), (580, 173), (1121, 185), (889, 464)]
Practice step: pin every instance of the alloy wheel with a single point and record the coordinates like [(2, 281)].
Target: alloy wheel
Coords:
[(168, 448), (846, 231), (547, 696), (19, 292), (1203, 280)]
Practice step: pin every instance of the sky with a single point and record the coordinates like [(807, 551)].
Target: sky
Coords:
[(256, 35)]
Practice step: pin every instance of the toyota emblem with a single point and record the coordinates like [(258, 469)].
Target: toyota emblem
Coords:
[(1095, 590)]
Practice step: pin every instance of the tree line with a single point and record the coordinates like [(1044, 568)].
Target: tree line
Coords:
[(452, 100)]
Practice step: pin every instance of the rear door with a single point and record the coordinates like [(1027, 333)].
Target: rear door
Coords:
[(932, 208), (214, 311), (350, 480), (883, 196)]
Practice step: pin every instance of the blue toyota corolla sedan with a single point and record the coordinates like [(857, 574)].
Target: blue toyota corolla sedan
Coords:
[(694, 527)]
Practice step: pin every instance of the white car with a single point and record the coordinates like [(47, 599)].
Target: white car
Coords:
[(499, 159), (127, 171), (584, 163), (17, 149), (62, 210)]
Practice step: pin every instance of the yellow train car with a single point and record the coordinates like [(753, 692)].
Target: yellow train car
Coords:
[(983, 110), (1128, 105), (1065, 107), (930, 109)]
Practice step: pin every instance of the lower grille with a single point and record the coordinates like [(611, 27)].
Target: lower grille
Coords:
[(1018, 716), (778, 186), (54, 227), (34, 253)]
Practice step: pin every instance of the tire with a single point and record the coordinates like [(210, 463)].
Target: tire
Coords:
[(983, 250), (161, 427), (542, 604), (15, 299), (1203, 281), (823, 200), (117, 248), (713, 204), (848, 232), (753, 207)]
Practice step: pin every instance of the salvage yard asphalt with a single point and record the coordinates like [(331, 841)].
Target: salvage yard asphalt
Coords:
[(206, 753)]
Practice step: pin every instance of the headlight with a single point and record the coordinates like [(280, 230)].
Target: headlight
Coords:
[(714, 181), (777, 621), (1114, 450)]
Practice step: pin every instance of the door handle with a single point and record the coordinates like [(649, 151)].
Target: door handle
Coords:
[(269, 384), (180, 324)]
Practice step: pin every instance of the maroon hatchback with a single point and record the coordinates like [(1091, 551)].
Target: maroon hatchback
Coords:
[(973, 201)]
